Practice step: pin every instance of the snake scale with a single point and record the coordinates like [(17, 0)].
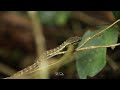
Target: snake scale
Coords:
[(45, 56)]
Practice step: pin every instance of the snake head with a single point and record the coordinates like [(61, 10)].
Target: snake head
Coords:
[(72, 40)]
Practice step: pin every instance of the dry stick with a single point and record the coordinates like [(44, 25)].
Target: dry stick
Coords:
[(94, 47), (91, 47), (89, 38), (40, 40)]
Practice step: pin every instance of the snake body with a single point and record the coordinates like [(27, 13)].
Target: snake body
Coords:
[(45, 56)]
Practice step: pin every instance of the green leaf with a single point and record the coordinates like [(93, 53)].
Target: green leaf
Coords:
[(92, 61), (116, 14)]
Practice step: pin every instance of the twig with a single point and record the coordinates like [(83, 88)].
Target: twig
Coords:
[(89, 38), (94, 47)]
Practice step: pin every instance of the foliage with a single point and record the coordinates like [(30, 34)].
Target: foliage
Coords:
[(90, 62)]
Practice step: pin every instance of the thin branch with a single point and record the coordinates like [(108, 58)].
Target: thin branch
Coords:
[(94, 47), (91, 47), (89, 38)]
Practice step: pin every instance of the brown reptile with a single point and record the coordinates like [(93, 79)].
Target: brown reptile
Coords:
[(45, 56)]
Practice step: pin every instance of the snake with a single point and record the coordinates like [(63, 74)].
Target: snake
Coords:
[(45, 56)]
